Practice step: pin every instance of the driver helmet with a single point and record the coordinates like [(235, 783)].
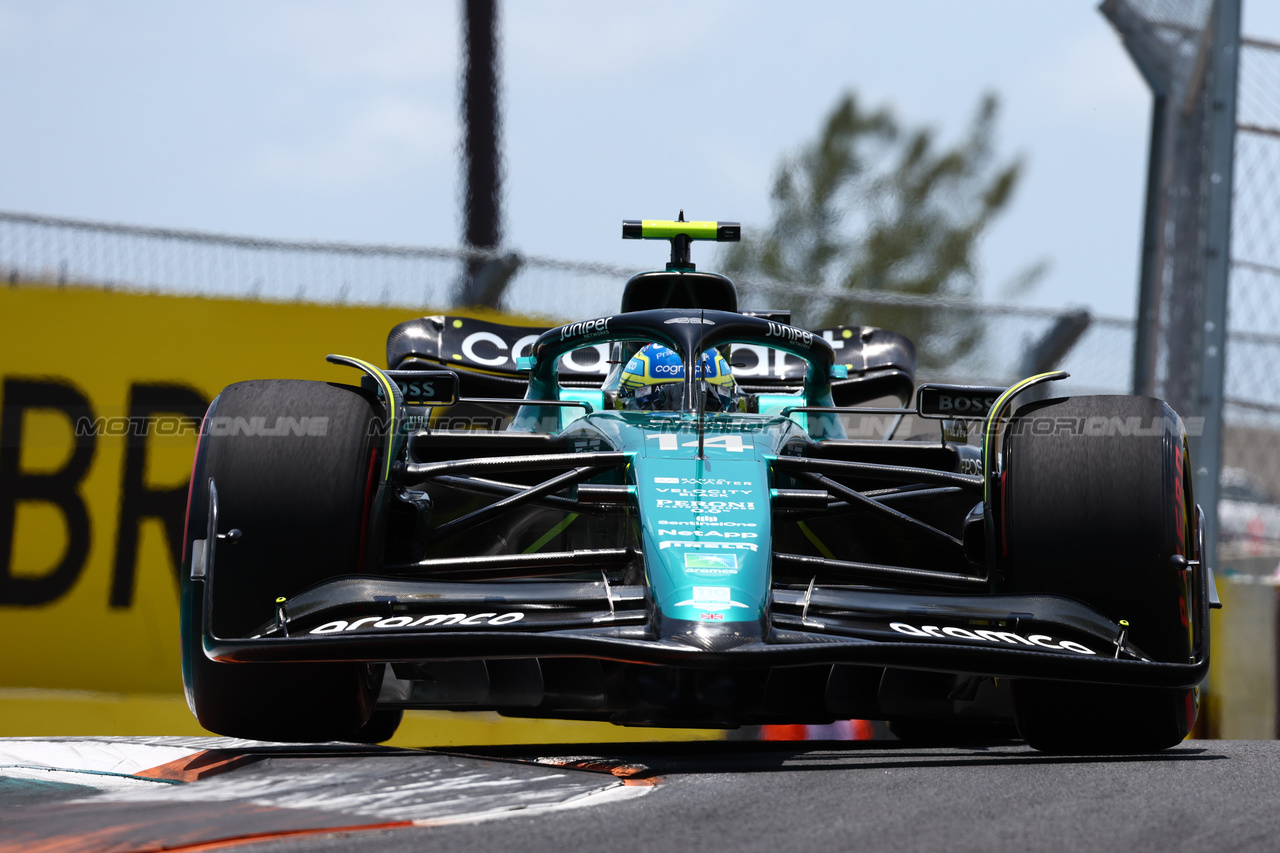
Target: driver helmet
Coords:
[(653, 378)]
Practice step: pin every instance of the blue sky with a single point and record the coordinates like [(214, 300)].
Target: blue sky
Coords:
[(338, 120)]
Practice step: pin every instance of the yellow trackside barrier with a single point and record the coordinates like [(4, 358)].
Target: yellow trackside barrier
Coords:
[(1242, 679)]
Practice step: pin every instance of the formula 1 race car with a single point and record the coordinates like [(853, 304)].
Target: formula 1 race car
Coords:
[(688, 515)]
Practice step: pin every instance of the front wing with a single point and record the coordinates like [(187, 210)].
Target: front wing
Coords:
[(373, 619)]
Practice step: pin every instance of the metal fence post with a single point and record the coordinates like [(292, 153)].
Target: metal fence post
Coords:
[(1224, 64)]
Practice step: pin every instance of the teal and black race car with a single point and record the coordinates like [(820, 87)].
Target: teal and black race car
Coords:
[(688, 515)]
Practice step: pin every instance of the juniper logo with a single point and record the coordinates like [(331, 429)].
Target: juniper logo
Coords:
[(587, 329), (790, 334)]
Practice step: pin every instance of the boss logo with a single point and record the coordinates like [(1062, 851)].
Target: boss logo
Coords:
[(956, 401), (417, 390), (965, 405), (420, 387)]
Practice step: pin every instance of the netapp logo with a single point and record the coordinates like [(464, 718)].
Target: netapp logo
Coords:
[(744, 534), (432, 621), (585, 329), (1007, 637)]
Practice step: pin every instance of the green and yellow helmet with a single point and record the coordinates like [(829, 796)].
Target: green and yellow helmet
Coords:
[(652, 379)]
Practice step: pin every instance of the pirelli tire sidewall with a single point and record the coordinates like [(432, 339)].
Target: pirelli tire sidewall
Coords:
[(1095, 501), (299, 493)]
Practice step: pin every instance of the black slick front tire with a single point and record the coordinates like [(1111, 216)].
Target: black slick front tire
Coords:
[(1096, 503), (293, 463)]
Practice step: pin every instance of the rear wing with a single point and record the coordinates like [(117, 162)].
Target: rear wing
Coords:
[(879, 362), (483, 354)]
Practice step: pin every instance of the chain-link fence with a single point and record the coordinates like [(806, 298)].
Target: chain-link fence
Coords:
[(74, 252), (1251, 447), (1209, 312), (71, 252), (1006, 340), (1165, 39), (1172, 42)]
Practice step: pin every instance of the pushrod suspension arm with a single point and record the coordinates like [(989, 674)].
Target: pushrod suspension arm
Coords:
[(483, 486), (856, 498), (883, 496), (895, 473), (421, 471), (514, 565), (546, 487), (874, 573)]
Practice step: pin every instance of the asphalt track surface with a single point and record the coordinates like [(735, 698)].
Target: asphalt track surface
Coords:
[(728, 795)]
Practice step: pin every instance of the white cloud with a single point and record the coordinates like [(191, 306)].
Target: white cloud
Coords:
[(392, 136)]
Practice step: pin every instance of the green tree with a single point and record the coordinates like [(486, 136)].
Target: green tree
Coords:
[(870, 206)]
